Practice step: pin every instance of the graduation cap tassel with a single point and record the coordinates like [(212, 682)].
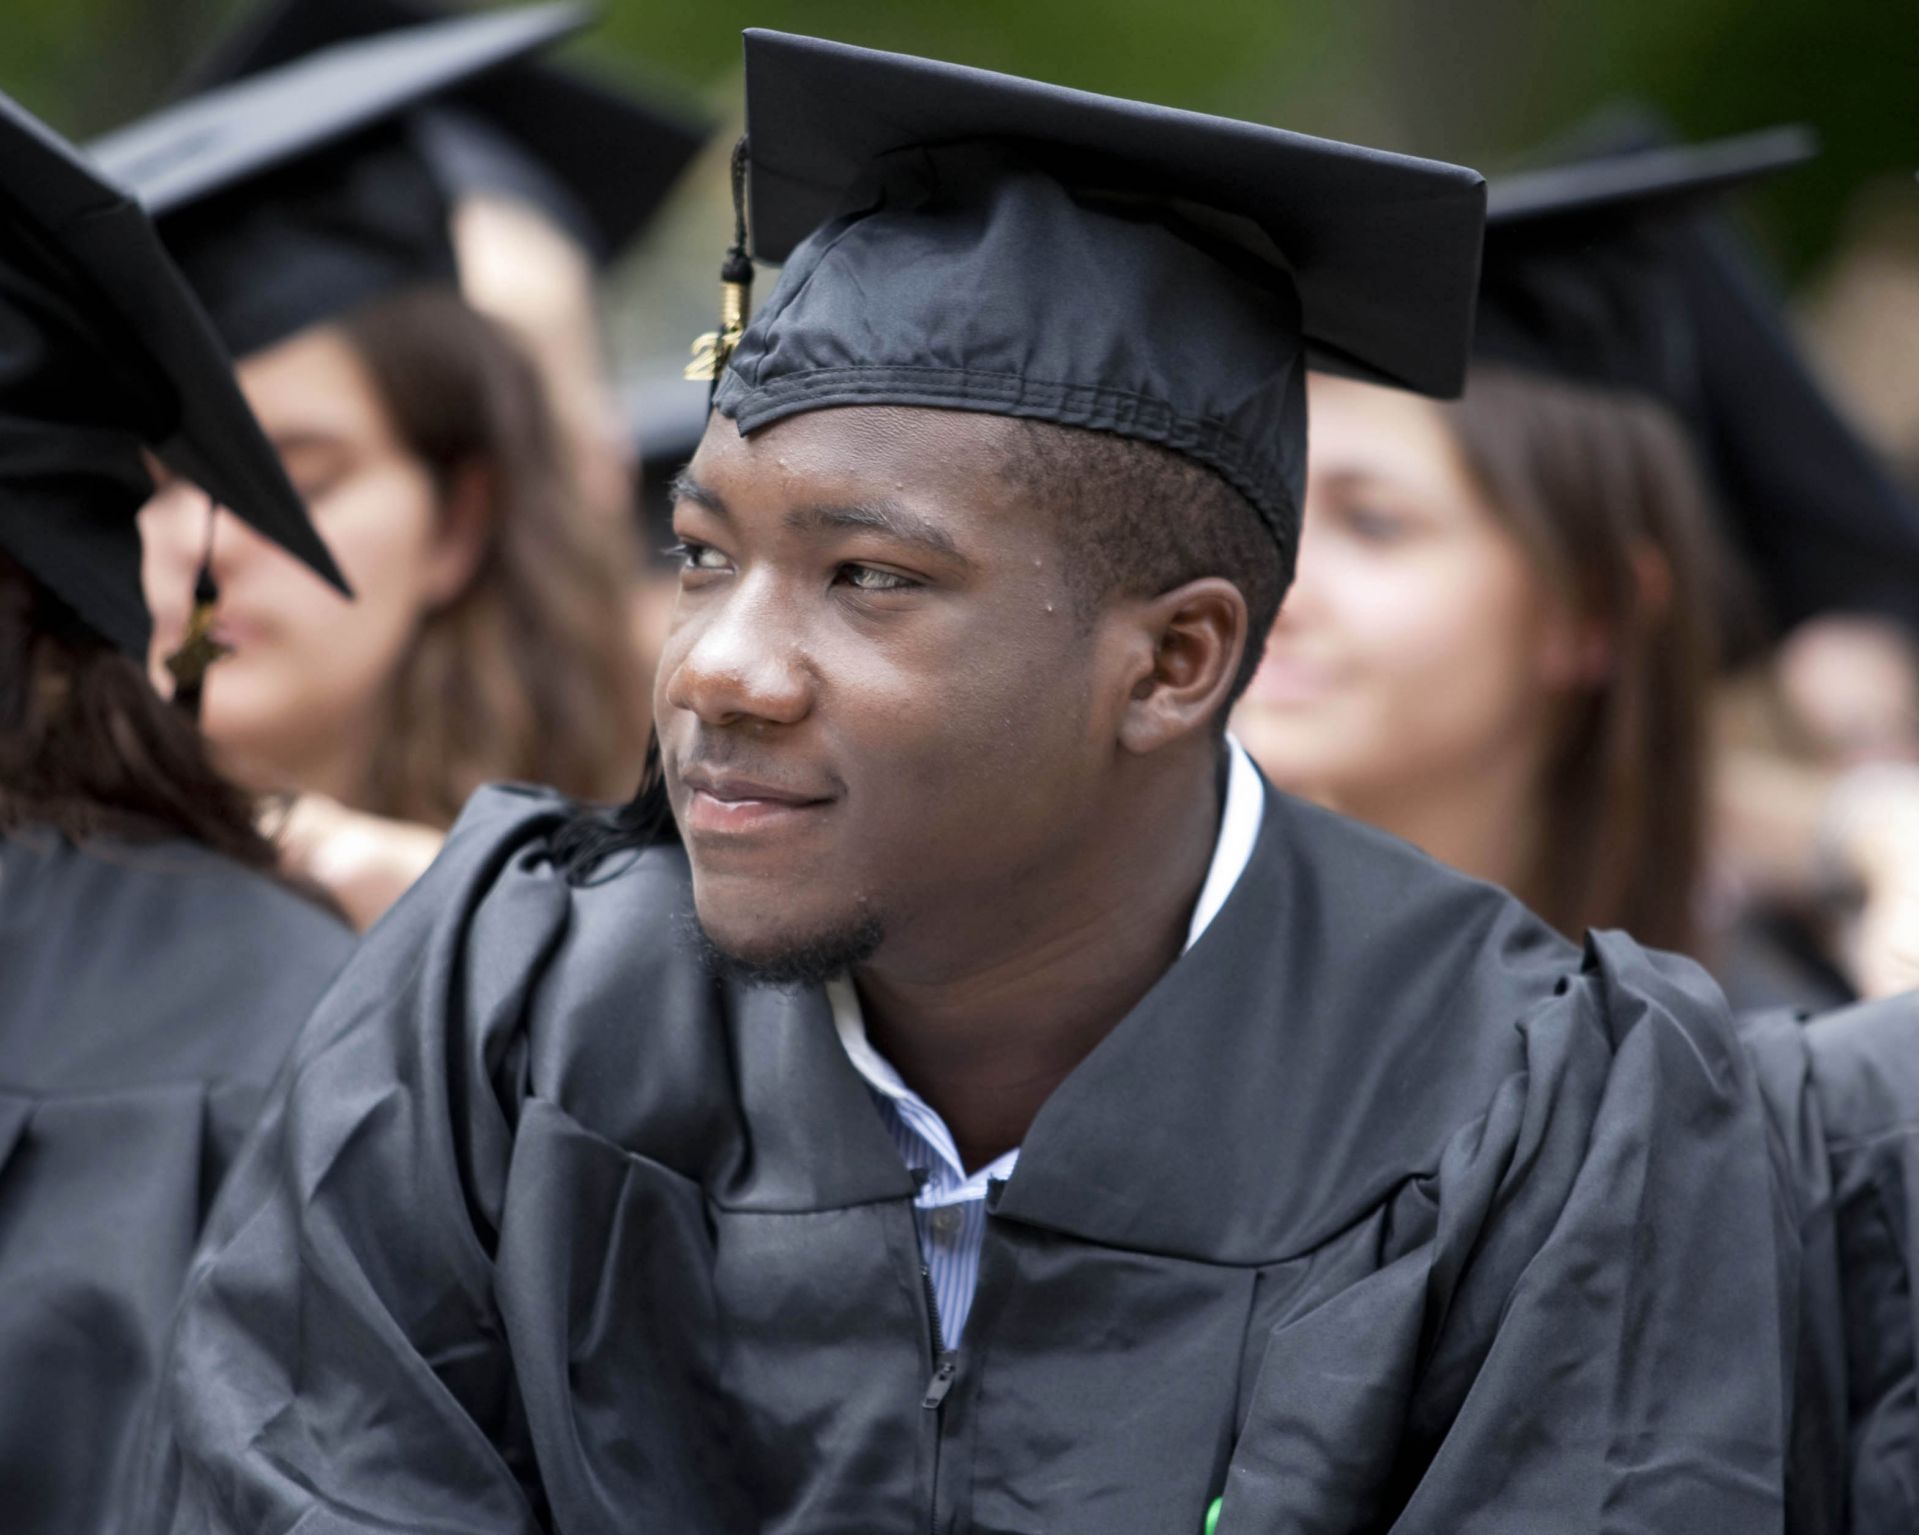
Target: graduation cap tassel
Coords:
[(711, 351), (198, 649)]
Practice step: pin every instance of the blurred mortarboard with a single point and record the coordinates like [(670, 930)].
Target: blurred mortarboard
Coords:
[(104, 351), (1615, 271), (966, 240), (298, 194), (1581, 277), (596, 160)]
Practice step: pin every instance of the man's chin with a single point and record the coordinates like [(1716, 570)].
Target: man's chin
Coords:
[(788, 958)]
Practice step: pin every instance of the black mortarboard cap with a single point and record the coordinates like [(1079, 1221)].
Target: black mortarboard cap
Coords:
[(595, 159), (296, 195), (104, 351), (1614, 271), (1580, 278), (961, 239)]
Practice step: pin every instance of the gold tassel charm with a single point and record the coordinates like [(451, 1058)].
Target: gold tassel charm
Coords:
[(711, 351), (198, 651), (714, 350)]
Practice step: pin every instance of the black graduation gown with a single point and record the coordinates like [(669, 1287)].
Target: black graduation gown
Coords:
[(1844, 1092), (147, 996), (1385, 1208)]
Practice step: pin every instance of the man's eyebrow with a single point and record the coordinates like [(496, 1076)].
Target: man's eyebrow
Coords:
[(883, 517), (686, 488)]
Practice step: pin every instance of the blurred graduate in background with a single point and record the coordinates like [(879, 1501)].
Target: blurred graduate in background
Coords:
[(1510, 621), (156, 967), (491, 638), (1513, 611), (552, 175)]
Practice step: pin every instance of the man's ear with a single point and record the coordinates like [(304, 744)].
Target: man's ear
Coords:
[(1183, 654), (465, 529)]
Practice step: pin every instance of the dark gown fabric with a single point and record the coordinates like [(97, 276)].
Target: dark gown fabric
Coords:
[(1415, 1219), (147, 996), (1771, 960), (1844, 1095)]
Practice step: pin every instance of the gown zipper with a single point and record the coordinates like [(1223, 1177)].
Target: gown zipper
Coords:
[(945, 1368)]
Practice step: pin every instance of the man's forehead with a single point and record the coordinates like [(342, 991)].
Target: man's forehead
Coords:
[(946, 467)]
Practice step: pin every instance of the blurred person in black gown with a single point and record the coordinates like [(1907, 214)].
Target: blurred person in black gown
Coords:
[(1820, 795), (1851, 682), (1500, 645), (153, 966), (958, 1094), (1850, 686), (1818, 817), (491, 636)]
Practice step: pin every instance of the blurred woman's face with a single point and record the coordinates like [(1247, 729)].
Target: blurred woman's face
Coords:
[(1415, 645), (295, 705)]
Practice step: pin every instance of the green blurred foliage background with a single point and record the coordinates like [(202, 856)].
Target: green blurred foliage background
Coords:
[(1480, 81)]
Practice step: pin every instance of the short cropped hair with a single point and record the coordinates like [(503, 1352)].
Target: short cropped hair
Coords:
[(1135, 519)]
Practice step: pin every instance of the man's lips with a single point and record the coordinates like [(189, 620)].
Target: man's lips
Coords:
[(730, 802)]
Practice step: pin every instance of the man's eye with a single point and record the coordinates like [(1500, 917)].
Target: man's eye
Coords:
[(694, 556), (866, 579)]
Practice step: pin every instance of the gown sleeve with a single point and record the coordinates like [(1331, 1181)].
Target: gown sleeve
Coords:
[(1865, 1074), (1581, 1322), (149, 992), (1843, 1094), (1635, 1377), (337, 1364)]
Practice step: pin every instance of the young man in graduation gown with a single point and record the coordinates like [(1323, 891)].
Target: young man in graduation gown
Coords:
[(984, 1105), (153, 972)]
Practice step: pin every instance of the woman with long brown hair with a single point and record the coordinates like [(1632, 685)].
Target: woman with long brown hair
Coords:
[(489, 639), (484, 641), (1514, 611), (155, 968), (1501, 640)]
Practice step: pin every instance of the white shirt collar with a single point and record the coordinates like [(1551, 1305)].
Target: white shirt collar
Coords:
[(1239, 824)]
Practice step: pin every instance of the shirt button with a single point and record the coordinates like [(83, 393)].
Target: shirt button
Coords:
[(946, 1221)]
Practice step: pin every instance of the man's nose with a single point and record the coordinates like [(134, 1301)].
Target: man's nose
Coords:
[(744, 661)]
